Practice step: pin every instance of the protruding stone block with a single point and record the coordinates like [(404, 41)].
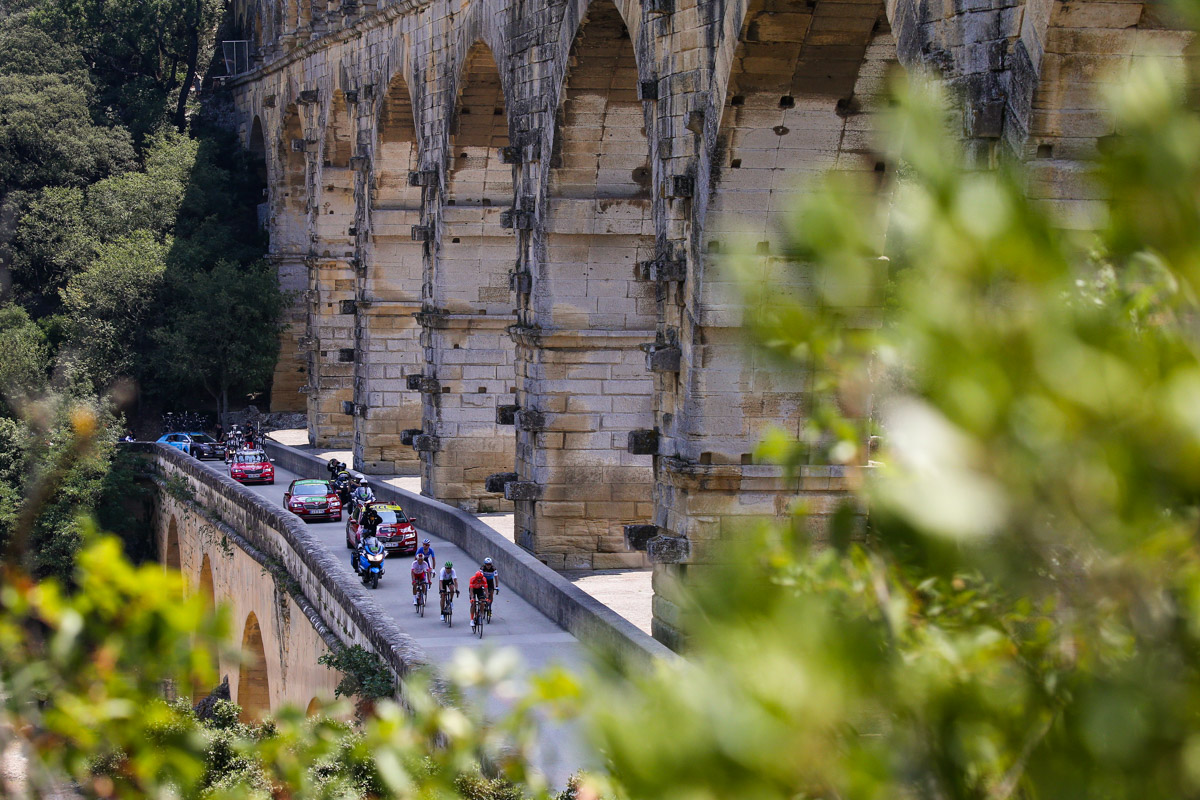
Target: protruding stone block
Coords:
[(522, 490), (426, 443), (348, 306), (521, 282), (531, 420), (408, 435), (507, 414), (413, 382), (423, 177), (669, 549), (422, 233), (497, 481), (663, 358), (642, 442), (637, 536), (679, 186)]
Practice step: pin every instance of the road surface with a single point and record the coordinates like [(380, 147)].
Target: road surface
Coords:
[(515, 624)]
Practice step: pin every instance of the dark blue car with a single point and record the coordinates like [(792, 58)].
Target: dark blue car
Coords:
[(200, 445)]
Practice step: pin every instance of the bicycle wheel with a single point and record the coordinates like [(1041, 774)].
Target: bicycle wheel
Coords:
[(421, 603), (479, 621), (487, 612)]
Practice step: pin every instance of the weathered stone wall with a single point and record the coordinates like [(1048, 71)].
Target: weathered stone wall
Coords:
[(279, 583), (567, 175)]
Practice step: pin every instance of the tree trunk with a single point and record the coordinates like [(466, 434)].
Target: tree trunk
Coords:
[(193, 56)]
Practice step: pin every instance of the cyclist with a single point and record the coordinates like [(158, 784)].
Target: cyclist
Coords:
[(492, 575), (427, 551), (422, 575), (449, 583), (477, 589)]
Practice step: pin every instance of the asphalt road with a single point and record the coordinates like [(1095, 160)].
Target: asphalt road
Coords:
[(515, 624)]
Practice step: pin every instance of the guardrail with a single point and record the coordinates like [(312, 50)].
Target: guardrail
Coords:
[(576, 611)]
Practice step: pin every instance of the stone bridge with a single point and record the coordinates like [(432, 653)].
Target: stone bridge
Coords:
[(503, 218), (287, 607)]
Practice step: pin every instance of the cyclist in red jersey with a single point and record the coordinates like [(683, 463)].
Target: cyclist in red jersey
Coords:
[(477, 589)]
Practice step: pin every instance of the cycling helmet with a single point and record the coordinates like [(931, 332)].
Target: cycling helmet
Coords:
[(420, 556), (449, 565), (487, 562), (425, 542)]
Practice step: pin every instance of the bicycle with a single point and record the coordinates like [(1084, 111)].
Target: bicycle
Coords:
[(477, 616), (487, 610), (422, 589), (448, 608)]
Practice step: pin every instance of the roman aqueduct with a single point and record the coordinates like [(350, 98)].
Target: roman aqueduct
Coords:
[(501, 217)]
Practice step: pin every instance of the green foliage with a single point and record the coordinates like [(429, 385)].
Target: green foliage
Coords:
[(1020, 617), (25, 358), (47, 136), (364, 674)]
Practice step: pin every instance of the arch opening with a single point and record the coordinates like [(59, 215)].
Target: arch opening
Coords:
[(254, 687), (207, 591), (473, 259), (339, 132), (393, 280), (170, 554), (292, 146), (599, 226), (601, 149)]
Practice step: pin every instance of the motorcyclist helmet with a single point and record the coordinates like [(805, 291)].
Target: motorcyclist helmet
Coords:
[(373, 546), (343, 476)]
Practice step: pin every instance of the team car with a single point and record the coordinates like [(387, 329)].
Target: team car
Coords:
[(200, 445), (312, 498), (396, 531), (251, 466)]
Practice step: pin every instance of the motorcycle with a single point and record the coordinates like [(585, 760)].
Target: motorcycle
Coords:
[(369, 567)]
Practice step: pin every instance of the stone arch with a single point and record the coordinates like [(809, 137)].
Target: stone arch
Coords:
[(206, 589), (599, 224), (339, 132), (205, 586), (791, 90), (293, 176), (478, 128), (600, 146), (254, 685), (472, 353), (393, 280), (170, 554), (398, 149)]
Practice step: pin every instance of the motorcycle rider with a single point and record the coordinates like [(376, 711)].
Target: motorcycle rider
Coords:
[(334, 466), (370, 521), (422, 573), (448, 579), (369, 545), (362, 493), (427, 551)]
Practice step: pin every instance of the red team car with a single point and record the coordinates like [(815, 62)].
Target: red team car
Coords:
[(395, 532), (252, 466), (311, 498)]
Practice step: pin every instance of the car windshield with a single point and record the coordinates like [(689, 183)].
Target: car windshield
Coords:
[(202, 438), (251, 458), (390, 516), (311, 489)]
